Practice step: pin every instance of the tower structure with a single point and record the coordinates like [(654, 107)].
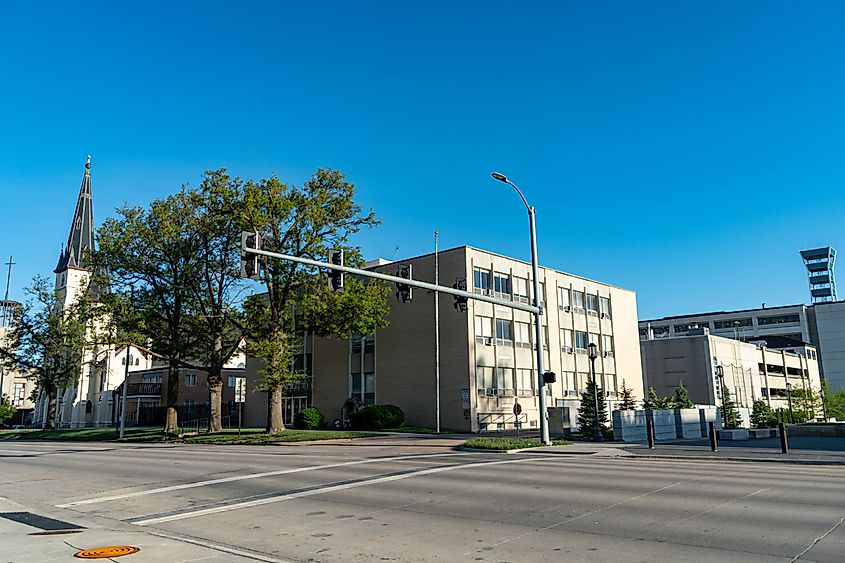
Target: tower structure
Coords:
[(819, 263)]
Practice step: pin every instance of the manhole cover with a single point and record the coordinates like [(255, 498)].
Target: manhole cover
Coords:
[(108, 551)]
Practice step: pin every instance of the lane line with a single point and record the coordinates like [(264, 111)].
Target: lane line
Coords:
[(817, 540), (712, 509), (248, 476), (257, 556), (329, 489)]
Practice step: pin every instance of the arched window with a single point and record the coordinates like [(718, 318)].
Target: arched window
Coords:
[(137, 362), (89, 407)]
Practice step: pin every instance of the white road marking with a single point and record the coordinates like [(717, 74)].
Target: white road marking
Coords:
[(248, 476), (329, 489), (219, 547)]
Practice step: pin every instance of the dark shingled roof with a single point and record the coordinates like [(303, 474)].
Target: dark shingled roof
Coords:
[(80, 241)]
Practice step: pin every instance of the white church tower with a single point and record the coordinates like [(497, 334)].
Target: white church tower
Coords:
[(89, 402)]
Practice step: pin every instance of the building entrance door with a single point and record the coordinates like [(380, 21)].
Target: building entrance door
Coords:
[(291, 406)]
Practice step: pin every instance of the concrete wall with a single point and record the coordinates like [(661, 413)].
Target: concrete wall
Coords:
[(830, 320)]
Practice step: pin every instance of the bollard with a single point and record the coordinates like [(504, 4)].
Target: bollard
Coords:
[(714, 445), (649, 426), (784, 443)]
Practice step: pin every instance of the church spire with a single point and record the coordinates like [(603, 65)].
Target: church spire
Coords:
[(81, 238)]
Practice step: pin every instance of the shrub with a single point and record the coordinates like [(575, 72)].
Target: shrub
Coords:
[(375, 417), (309, 419), (762, 416)]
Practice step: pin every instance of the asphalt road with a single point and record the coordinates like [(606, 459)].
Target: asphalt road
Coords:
[(405, 499)]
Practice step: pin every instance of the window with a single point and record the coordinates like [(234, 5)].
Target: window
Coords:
[(607, 344), (520, 289), (660, 331), (231, 381), (483, 327), (483, 379), (504, 379), (731, 323), (542, 292), (592, 304), (581, 341), (137, 361), (190, 380), (524, 382), (777, 320), (578, 300), (190, 405), (604, 307), (522, 335), (563, 298), (566, 340), (504, 329), (594, 338), (482, 280), (502, 284), (18, 390)]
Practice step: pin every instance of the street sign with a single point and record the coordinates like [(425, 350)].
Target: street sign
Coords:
[(240, 389), (517, 409)]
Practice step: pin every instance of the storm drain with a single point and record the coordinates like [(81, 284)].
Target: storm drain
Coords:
[(107, 552), (47, 525)]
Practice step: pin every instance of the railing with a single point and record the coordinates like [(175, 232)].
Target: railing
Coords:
[(136, 389), (488, 419)]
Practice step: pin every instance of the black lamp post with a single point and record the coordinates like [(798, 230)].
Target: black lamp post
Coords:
[(789, 398), (720, 373), (593, 353)]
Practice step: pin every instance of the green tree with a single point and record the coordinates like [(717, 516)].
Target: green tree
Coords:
[(587, 410), (731, 412), (627, 402), (682, 400), (7, 410), (762, 415), (653, 402), (806, 404), (48, 339), (834, 402), (155, 252), (309, 222), (216, 288)]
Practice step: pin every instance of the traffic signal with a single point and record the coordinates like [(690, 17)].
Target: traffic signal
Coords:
[(249, 261), (404, 293), (336, 276), (549, 377), (460, 301)]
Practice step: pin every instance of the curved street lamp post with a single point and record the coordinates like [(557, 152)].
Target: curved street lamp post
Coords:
[(593, 353), (538, 326)]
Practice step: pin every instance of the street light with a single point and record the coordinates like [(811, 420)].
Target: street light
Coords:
[(789, 398), (720, 373), (538, 326), (593, 353), (824, 407)]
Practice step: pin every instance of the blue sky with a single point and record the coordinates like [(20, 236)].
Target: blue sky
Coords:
[(685, 150)]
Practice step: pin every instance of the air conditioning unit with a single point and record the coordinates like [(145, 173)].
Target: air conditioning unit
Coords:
[(568, 349), (565, 308), (605, 316), (608, 354), (506, 392), (491, 391), (488, 341)]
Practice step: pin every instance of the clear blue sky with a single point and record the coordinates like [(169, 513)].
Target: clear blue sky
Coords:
[(685, 150)]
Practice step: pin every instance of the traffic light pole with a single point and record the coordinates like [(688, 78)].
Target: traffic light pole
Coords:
[(396, 279)]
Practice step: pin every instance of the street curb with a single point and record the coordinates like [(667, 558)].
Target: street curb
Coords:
[(741, 459)]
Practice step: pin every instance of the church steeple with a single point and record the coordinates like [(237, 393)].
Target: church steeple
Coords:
[(81, 238)]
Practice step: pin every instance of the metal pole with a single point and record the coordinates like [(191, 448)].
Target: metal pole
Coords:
[(240, 406), (784, 443), (538, 330), (789, 398), (123, 393), (649, 425), (437, 332), (711, 430), (597, 431)]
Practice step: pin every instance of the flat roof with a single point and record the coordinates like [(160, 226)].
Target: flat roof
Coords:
[(713, 313), (466, 246)]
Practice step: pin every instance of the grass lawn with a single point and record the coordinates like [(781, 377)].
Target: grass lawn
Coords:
[(508, 443), (86, 434), (248, 436), (259, 437)]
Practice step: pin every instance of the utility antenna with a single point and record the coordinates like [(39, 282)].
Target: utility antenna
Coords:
[(8, 277), (397, 252)]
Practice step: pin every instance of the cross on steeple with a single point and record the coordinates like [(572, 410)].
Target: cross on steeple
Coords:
[(8, 277)]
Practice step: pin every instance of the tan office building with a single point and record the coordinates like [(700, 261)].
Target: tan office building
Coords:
[(487, 358)]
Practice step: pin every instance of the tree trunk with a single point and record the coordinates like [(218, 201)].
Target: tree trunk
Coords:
[(171, 423), (275, 422), (215, 399), (215, 385), (50, 418)]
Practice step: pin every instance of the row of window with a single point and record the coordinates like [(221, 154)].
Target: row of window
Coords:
[(725, 324), (778, 370), (521, 334), (493, 381), (504, 285)]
